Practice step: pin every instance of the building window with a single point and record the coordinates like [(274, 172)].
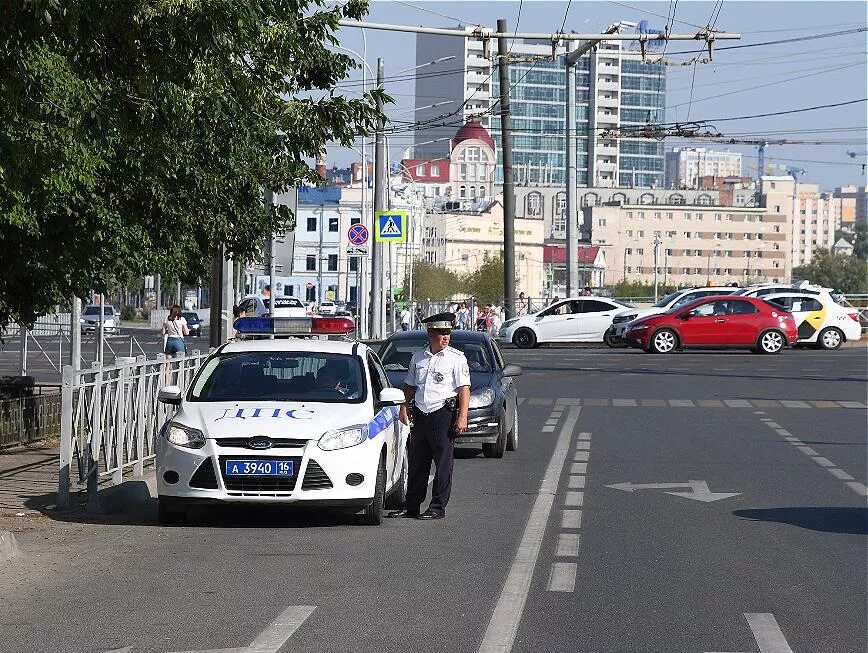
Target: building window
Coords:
[(698, 252), (420, 171), (640, 251), (704, 200), (473, 192), (718, 217), (356, 219), (686, 234), (435, 170), (333, 225), (333, 263), (687, 216), (640, 234), (640, 215), (534, 205), (687, 252), (629, 215), (628, 251), (310, 262), (601, 222), (669, 216), (462, 192), (777, 229), (311, 224), (676, 199), (656, 215)]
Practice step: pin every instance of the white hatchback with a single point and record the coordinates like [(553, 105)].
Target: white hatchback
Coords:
[(819, 319), (284, 421), (579, 319)]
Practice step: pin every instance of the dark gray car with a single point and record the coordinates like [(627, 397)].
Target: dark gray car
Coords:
[(492, 419)]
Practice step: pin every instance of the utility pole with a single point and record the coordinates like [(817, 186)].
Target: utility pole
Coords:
[(320, 258), (380, 190), (508, 182), (656, 267), (570, 60), (215, 329)]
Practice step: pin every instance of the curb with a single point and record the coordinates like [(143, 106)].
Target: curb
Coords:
[(133, 495), (8, 546)]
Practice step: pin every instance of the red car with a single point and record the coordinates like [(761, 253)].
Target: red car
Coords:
[(719, 322)]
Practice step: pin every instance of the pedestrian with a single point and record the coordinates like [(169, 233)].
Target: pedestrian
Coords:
[(586, 291), (496, 320), (437, 392), (463, 316), (418, 323), (175, 328), (482, 320), (237, 312), (521, 305), (405, 319)]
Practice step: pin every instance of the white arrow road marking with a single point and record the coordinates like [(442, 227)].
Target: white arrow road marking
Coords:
[(699, 490), (767, 633), (269, 640)]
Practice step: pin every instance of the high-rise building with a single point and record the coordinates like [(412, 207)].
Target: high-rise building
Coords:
[(615, 90), (854, 204), (685, 167)]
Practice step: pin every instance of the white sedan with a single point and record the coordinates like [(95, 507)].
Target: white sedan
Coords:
[(286, 421), (820, 320), (579, 319)]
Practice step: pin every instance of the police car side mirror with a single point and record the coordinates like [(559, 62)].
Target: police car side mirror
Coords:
[(512, 370), (170, 394), (391, 397)]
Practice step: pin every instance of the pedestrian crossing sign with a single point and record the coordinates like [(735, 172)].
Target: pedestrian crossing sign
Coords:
[(391, 227)]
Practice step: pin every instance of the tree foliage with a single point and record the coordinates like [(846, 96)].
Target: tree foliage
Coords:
[(860, 241), (136, 136), (432, 281), (486, 282), (839, 271)]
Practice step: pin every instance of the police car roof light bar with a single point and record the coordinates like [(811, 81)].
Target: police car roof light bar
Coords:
[(291, 326)]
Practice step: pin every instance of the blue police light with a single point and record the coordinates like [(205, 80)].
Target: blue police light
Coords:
[(290, 326), (252, 325)]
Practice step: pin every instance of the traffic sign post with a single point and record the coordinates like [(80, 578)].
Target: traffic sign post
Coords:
[(391, 227), (357, 235)]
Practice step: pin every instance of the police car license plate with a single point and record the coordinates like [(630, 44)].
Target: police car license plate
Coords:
[(259, 467)]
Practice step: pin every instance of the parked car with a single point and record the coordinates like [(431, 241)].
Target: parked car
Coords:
[(492, 418), (717, 322), (193, 323), (327, 307), (614, 336), (90, 319), (284, 306), (578, 319), (764, 289), (820, 321)]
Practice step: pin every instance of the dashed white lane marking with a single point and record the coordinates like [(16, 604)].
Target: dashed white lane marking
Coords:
[(503, 625), (548, 429), (581, 455), (773, 425), (825, 463), (623, 402), (584, 436), (583, 445), (852, 404), (794, 404), (574, 499), (576, 482), (568, 545), (681, 403), (571, 519), (579, 468), (737, 403), (562, 577)]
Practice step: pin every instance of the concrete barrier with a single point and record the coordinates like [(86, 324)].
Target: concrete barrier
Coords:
[(133, 496)]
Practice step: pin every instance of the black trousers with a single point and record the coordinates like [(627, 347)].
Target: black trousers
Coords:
[(430, 440)]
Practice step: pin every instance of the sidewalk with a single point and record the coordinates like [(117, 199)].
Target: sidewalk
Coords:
[(28, 480)]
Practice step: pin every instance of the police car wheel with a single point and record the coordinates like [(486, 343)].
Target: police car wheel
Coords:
[(170, 513), (496, 449), (373, 515), (396, 498), (512, 439)]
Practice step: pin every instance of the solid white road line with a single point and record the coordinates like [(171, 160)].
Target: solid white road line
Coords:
[(822, 462), (767, 633), (503, 625), (563, 577), (807, 451)]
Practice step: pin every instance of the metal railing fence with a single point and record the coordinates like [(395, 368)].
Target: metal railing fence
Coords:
[(30, 417), (110, 417)]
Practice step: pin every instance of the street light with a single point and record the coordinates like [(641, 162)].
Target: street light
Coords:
[(657, 242)]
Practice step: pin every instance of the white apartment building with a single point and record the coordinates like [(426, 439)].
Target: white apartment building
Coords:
[(814, 216), (696, 245), (615, 89), (685, 166)]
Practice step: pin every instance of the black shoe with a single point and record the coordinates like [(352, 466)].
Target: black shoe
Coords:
[(430, 514), (404, 512)]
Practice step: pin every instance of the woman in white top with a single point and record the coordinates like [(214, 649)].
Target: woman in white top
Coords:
[(175, 328)]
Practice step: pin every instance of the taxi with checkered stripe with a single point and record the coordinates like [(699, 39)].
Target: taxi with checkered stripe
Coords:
[(285, 421)]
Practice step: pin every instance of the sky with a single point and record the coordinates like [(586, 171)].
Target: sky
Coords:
[(741, 81)]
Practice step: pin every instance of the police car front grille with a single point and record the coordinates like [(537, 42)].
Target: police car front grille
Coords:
[(260, 483), (204, 478), (315, 478), (276, 443)]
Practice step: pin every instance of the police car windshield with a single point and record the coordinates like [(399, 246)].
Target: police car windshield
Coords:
[(397, 354), (281, 376)]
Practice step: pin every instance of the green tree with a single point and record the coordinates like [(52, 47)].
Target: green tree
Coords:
[(486, 283), (860, 242), (840, 271), (432, 281), (136, 136)]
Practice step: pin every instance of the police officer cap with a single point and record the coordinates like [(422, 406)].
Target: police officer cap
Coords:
[(439, 321)]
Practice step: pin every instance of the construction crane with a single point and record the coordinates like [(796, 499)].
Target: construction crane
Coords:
[(853, 155)]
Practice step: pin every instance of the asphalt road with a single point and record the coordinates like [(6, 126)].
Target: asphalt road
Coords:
[(693, 503)]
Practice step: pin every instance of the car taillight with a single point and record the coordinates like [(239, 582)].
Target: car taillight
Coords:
[(854, 316)]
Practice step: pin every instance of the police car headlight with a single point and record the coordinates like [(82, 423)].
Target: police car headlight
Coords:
[(343, 438), (482, 399), (184, 436)]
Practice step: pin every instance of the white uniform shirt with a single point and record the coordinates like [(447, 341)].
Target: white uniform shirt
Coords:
[(437, 377)]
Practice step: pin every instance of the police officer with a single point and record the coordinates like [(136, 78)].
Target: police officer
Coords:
[(438, 385)]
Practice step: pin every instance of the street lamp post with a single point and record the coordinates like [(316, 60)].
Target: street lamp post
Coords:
[(656, 264)]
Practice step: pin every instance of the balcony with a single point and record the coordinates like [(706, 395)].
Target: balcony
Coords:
[(606, 166), (608, 86), (606, 150), (611, 102)]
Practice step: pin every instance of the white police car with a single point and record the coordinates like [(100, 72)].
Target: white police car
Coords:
[(292, 421)]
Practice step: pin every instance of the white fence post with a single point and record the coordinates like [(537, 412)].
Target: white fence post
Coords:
[(67, 433), (94, 442), (120, 429)]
